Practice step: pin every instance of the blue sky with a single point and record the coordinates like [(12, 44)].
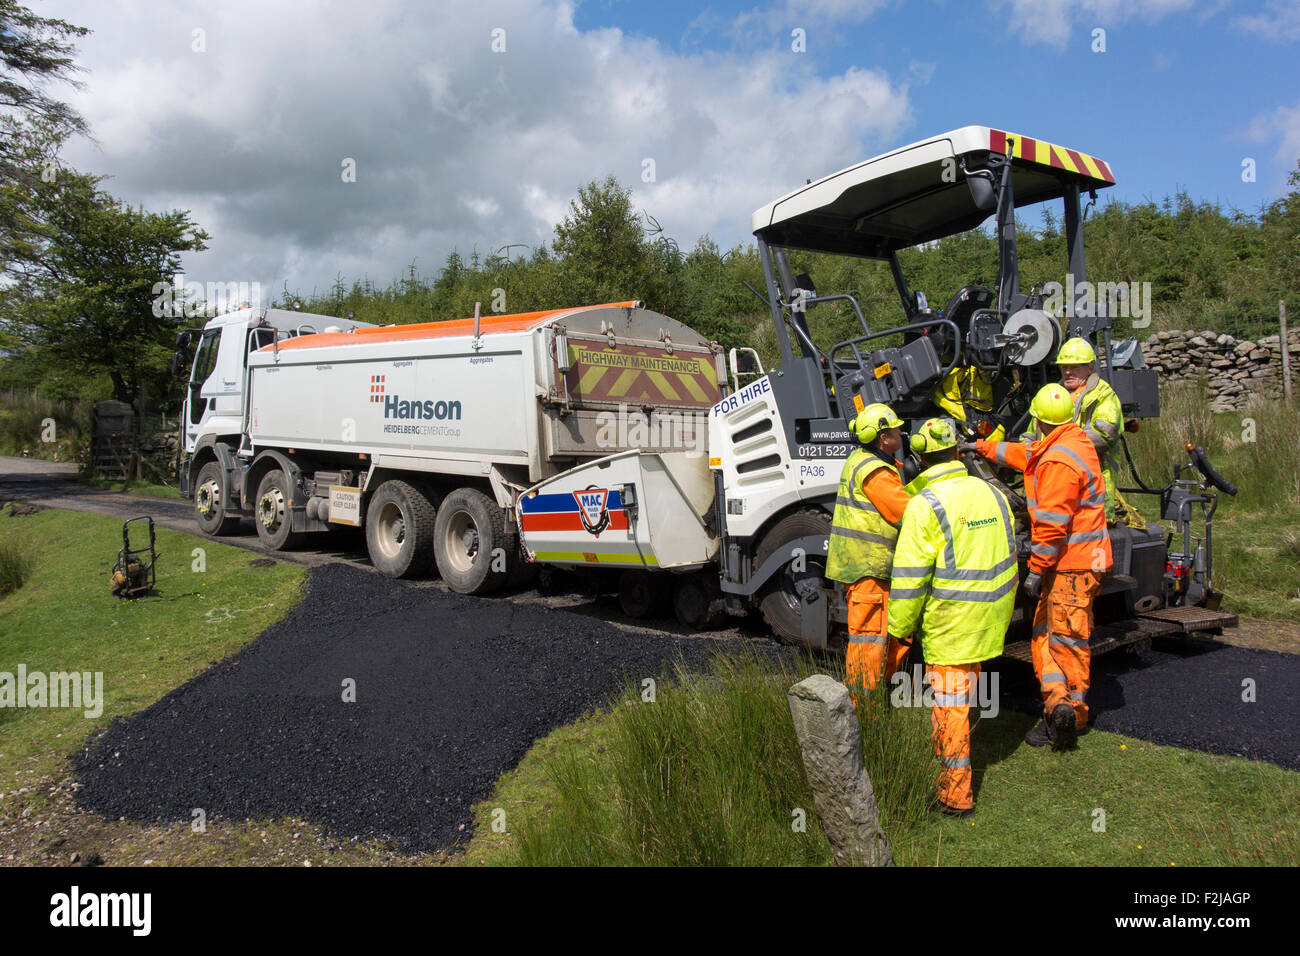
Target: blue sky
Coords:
[(1177, 100), (471, 124)]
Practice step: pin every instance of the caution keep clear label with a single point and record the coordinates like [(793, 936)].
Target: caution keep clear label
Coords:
[(345, 505), (630, 374)]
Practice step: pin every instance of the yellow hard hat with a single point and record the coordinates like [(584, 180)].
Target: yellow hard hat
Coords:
[(935, 435), (1052, 405), (873, 420), (1076, 351)]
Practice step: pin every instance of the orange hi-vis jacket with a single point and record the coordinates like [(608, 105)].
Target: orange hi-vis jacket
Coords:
[(1066, 497)]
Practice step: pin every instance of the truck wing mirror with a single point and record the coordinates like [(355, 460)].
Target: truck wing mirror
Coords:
[(178, 363), (982, 192)]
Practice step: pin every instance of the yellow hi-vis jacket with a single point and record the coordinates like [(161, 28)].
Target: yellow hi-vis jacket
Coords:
[(955, 573), (861, 540)]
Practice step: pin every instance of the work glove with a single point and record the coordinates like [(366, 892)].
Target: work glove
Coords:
[(966, 447), (1033, 584)]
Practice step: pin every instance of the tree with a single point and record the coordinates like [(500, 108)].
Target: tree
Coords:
[(603, 252), (86, 302), (34, 51)]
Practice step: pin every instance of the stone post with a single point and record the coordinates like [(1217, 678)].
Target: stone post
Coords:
[(827, 726)]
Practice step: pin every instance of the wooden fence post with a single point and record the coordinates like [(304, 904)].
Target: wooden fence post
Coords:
[(1286, 352)]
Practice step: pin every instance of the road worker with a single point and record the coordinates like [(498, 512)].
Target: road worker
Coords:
[(1069, 556), (954, 584), (1098, 412), (868, 508), (966, 393)]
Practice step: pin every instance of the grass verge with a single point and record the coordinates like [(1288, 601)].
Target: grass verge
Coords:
[(710, 774), (136, 488)]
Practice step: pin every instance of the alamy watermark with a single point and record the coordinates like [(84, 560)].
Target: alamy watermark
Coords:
[(913, 690), (1127, 300), (179, 298), (75, 689), (686, 430)]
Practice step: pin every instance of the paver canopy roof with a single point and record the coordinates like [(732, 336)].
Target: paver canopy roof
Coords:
[(918, 193)]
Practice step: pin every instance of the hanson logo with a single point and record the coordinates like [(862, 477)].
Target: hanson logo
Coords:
[(395, 407)]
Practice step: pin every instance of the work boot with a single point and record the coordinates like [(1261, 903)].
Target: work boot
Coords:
[(1039, 736), (949, 811), (1061, 727)]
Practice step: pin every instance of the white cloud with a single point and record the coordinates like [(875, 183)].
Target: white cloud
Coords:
[(832, 11), (1054, 21), (455, 146), (1280, 20), (1279, 130)]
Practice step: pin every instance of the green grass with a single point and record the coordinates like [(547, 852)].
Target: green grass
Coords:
[(63, 618), (136, 488), (25, 426), (709, 773), (600, 792), (15, 566), (1256, 561), (1256, 556)]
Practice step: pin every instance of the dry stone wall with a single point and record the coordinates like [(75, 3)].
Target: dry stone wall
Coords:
[(1236, 369)]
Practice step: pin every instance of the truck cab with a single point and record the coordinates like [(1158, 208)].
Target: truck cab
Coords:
[(215, 400)]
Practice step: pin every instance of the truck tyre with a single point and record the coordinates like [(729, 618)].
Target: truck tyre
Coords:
[(698, 602), (399, 530), (779, 598), (473, 548), (642, 594), (212, 501), (272, 511)]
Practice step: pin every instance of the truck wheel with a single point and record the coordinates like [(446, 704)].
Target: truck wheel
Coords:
[(473, 549), (698, 602), (399, 530), (642, 594), (212, 501), (779, 598), (272, 512)]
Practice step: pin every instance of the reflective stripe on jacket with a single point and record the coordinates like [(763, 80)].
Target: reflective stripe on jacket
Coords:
[(861, 540), (1097, 410), (955, 573), (1066, 498)]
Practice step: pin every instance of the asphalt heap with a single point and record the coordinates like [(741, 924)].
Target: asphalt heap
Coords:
[(450, 693)]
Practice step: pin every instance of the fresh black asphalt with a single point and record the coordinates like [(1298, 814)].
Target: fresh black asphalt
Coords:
[(450, 693), (1203, 696)]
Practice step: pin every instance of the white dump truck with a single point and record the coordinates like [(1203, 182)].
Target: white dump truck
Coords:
[(425, 435)]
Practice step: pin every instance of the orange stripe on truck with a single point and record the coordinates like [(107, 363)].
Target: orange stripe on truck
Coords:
[(488, 324)]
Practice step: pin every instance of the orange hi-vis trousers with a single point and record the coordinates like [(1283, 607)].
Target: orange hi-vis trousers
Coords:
[(871, 653), (954, 690), (1062, 630)]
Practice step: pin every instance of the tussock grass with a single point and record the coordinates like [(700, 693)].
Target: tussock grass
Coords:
[(1115, 801), (23, 421), (1257, 448), (710, 774), (16, 564)]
